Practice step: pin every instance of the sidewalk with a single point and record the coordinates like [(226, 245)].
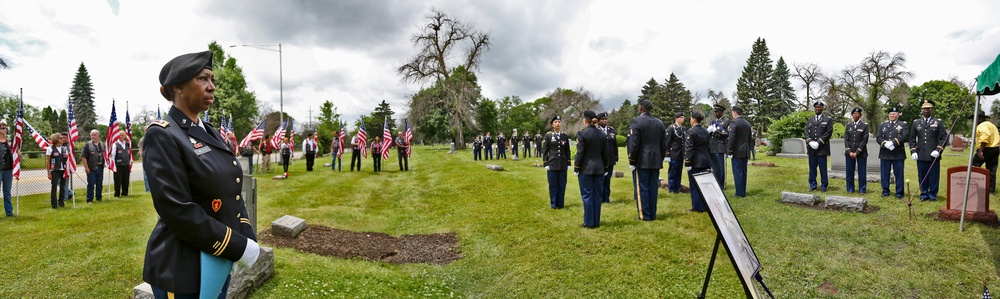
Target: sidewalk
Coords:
[(36, 181)]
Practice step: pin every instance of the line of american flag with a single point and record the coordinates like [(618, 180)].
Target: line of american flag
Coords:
[(74, 134), (256, 134), (340, 141), (42, 142), (278, 135), (386, 139), (114, 132), (363, 139), (408, 136), (18, 130)]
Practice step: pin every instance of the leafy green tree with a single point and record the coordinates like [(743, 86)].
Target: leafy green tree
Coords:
[(82, 95), (754, 84), (995, 110), (62, 124), (620, 117), (487, 115), (329, 122), (376, 119), (674, 98), (232, 98), (948, 98)]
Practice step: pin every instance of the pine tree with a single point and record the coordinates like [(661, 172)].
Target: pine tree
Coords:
[(649, 90), (753, 87), (82, 94), (676, 98), (782, 96)]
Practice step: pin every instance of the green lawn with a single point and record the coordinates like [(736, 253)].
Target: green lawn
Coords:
[(514, 246)]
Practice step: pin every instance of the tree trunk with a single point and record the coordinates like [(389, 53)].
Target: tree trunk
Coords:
[(460, 138)]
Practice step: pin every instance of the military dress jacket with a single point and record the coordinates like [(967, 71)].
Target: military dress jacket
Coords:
[(555, 151), (926, 137), (592, 154), (696, 153), (612, 145), (676, 135), (501, 142), (477, 144), (527, 141), (898, 133), (819, 129), (195, 182), (720, 137), (739, 143), (856, 139), (488, 141), (647, 143)]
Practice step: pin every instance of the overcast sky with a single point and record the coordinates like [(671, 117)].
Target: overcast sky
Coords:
[(347, 51)]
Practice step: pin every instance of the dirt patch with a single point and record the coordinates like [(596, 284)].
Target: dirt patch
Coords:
[(433, 248), (828, 288), (868, 208)]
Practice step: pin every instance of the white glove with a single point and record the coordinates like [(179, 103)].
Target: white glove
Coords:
[(814, 144), (914, 155), (887, 144), (667, 159), (250, 254), (935, 154), (631, 167), (688, 168), (891, 146), (546, 168), (605, 174), (711, 129), (576, 173)]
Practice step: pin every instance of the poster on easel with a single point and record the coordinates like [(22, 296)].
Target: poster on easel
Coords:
[(738, 247)]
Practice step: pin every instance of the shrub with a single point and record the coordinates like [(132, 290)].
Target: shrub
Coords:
[(790, 126), (620, 139), (838, 130)]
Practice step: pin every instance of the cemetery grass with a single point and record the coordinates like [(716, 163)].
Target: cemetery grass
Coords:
[(514, 246)]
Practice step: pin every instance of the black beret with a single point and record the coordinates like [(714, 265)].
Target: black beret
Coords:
[(602, 115), (697, 116), (678, 114), (646, 104), (717, 108), (555, 118), (738, 109), (893, 109), (856, 109), (589, 114), (818, 103), (184, 67)]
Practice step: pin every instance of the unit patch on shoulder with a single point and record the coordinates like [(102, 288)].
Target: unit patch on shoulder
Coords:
[(159, 122)]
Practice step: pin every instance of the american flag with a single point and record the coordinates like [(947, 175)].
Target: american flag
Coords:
[(278, 135), (159, 115), (340, 142), (114, 132), (42, 142), (386, 139), (18, 130), (986, 293), (408, 136), (128, 137), (363, 139), (74, 134), (254, 135), (291, 139)]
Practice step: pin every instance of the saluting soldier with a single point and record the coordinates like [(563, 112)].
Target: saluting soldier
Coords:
[(501, 146), (477, 148), (538, 143), (591, 166), (739, 149), (646, 146), (892, 136), (675, 152), (818, 131), (856, 151), (555, 153), (697, 159), (927, 140), (719, 131), (195, 183), (488, 142), (612, 147)]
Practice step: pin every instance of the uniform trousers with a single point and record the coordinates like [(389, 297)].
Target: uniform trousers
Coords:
[(489, 153), (121, 178), (538, 151), (719, 168), (591, 189), (501, 153), (861, 165), (928, 172), (674, 176), (740, 176), (645, 185), (527, 150), (896, 167), (356, 156), (606, 197), (818, 162), (477, 154), (513, 150), (991, 154), (697, 198), (557, 188)]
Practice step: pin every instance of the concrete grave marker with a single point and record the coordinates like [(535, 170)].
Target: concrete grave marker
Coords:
[(288, 226)]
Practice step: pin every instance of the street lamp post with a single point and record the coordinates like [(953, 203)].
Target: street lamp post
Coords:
[(281, 80)]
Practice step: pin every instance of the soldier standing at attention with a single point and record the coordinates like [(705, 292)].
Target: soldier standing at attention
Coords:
[(555, 153), (477, 148), (719, 131), (513, 143), (739, 149), (538, 143), (591, 166), (818, 131), (646, 146), (892, 135), (501, 146), (696, 159), (612, 147), (526, 144), (856, 151), (675, 152), (488, 142), (927, 140)]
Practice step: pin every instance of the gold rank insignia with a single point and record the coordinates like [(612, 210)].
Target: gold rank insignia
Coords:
[(216, 205), (159, 122)]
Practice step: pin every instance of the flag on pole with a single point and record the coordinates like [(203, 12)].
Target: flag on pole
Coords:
[(128, 137), (42, 142), (74, 135), (18, 131), (256, 134), (386, 139), (222, 127), (340, 142), (363, 139), (278, 135), (159, 115), (291, 139), (408, 136), (114, 132)]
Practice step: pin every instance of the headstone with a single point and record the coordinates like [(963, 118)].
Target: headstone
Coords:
[(793, 148), (838, 162), (799, 198), (249, 198), (619, 174), (327, 164), (978, 206), (957, 143), (241, 284), (494, 167), (278, 177), (245, 163), (515, 158), (288, 226), (452, 151), (853, 204)]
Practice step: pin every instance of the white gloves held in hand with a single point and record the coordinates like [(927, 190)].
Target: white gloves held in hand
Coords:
[(250, 254), (914, 156), (888, 145), (814, 144), (631, 167), (935, 154), (711, 129), (546, 168), (688, 168), (576, 173), (667, 159)]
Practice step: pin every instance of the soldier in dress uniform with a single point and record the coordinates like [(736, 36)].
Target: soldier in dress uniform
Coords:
[(488, 143), (646, 148), (675, 152), (856, 151), (514, 139), (818, 131), (195, 183), (477, 148), (501, 146), (555, 153), (526, 145), (927, 140), (612, 147), (538, 143), (697, 159), (739, 148), (892, 136), (719, 131), (591, 166)]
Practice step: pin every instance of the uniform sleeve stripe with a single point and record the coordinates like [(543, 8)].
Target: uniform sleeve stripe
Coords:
[(225, 242)]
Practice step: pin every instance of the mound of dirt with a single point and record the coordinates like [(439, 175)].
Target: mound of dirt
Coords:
[(433, 248)]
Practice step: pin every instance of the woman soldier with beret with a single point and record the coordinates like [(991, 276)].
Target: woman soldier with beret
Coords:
[(195, 183)]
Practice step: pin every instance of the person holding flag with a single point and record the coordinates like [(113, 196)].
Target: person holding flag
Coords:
[(337, 150), (359, 146), (246, 145), (386, 141), (6, 168), (403, 146), (377, 145), (55, 163)]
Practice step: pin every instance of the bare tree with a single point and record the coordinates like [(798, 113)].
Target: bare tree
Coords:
[(433, 61), (879, 73), (811, 76), (570, 105)]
